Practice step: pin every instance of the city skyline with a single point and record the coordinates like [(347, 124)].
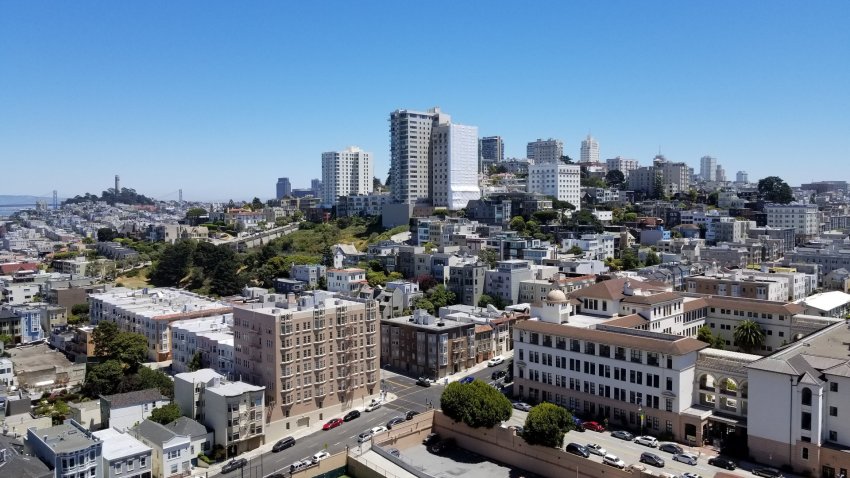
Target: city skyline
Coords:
[(220, 102)]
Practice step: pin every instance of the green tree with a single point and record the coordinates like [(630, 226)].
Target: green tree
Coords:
[(130, 348), (546, 424), (488, 256), (658, 191), (629, 260), (173, 264), (441, 297), (57, 410), (106, 234), (545, 216), (475, 404), (423, 303), (196, 363), (256, 204), (576, 251), (652, 259), (165, 414), (7, 340), (486, 300), (774, 189), (151, 378), (80, 309), (615, 178), (749, 335), (103, 336), (704, 334), (103, 378), (517, 224)]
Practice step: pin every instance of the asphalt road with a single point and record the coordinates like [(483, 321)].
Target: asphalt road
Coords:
[(410, 397)]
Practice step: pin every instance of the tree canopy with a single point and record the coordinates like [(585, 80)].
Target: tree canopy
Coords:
[(749, 335), (774, 189), (546, 424), (615, 178), (165, 414), (475, 404)]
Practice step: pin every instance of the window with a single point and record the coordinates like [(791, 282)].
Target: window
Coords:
[(833, 435), (833, 411), (669, 384), (806, 420), (805, 453), (143, 461), (118, 468), (174, 468), (807, 396), (833, 386), (130, 464)]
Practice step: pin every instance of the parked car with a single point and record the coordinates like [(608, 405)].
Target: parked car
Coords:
[(412, 413), (688, 474), (767, 472), (670, 448), (497, 360), (722, 462), (442, 445), (320, 456), (622, 435), (594, 426), (378, 429), (283, 444), (613, 461), (577, 449), (234, 465), (423, 382), (431, 438), (467, 380), (686, 458), (300, 464), (651, 459), (578, 424), (499, 374), (364, 437), (395, 421), (374, 405), (394, 452), (522, 406), (596, 449), (647, 441), (332, 423), (351, 415)]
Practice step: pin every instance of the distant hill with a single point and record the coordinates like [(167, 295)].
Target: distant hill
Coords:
[(125, 196), (11, 199)]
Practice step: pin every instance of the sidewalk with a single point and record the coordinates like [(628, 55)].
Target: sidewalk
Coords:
[(314, 427)]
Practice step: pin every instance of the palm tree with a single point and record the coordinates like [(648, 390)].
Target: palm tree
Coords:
[(749, 336)]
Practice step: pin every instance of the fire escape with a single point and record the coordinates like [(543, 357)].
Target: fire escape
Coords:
[(344, 331)]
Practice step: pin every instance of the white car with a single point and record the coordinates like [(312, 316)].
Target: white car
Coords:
[(613, 461), (596, 449), (688, 474), (373, 406), (376, 430), (687, 458), (522, 406), (647, 441), (320, 456), (497, 360), (364, 437)]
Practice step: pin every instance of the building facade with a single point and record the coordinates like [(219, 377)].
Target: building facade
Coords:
[(345, 173), (283, 189), (491, 150), (454, 166), (545, 151), (69, 449), (124, 456), (424, 345), (557, 179), (589, 150), (410, 153)]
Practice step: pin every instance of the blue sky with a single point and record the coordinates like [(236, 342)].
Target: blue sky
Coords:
[(221, 98)]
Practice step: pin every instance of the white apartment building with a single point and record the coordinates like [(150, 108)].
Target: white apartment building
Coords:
[(151, 312), (625, 166), (708, 168), (212, 337), (804, 218), (504, 280), (346, 280), (410, 153), (454, 170), (123, 410), (589, 150), (124, 456), (545, 151), (595, 246), (563, 181), (346, 172), (798, 405), (235, 411)]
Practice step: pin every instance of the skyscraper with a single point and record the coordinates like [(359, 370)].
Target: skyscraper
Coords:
[(742, 177), (284, 188), (346, 173), (589, 150), (720, 174), (708, 168), (545, 151), (454, 171), (316, 187), (410, 153), (491, 150)]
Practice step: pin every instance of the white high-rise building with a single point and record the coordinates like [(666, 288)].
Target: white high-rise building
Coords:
[(708, 168), (345, 173), (454, 170), (560, 180), (545, 151), (590, 150), (742, 177), (623, 165), (720, 174), (410, 153)]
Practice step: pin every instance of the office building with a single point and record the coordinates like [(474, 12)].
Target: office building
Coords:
[(69, 449), (545, 151), (316, 187), (454, 166), (346, 172), (491, 150), (410, 153), (742, 177), (589, 150), (708, 168), (625, 166), (720, 174), (284, 188), (312, 352), (557, 179)]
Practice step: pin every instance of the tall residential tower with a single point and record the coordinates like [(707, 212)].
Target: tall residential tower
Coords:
[(545, 151), (410, 153), (589, 150), (345, 173), (454, 165)]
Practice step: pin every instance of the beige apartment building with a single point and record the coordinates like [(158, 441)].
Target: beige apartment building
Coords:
[(313, 352)]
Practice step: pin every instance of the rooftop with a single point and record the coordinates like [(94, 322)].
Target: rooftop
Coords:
[(156, 433), (20, 465), (119, 445), (826, 300), (204, 375), (233, 389), (37, 357), (129, 399), (826, 350), (408, 321), (64, 438), (187, 426)]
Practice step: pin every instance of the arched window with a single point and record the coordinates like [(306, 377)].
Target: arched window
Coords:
[(807, 396)]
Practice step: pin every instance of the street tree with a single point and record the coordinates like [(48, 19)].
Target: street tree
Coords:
[(103, 336), (475, 404), (774, 189), (546, 424)]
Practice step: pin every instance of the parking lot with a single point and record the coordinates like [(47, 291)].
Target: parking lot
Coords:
[(459, 462)]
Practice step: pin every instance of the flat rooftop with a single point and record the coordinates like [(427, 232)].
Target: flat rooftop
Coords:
[(433, 326), (64, 438), (118, 445), (37, 357), (232, 389)]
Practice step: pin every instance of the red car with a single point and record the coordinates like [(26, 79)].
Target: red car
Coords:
[(593, 426), (332, 424)]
